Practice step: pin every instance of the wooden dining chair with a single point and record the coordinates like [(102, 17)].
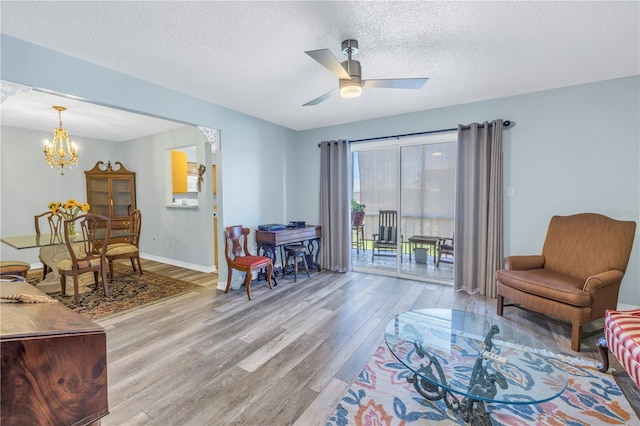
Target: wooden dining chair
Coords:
[(128, 250), (239, 258), (87, 251), (54, 221)]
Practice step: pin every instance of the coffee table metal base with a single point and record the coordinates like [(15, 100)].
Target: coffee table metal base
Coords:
[(482, 383)]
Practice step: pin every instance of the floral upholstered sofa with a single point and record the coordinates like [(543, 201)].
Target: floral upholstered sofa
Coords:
[(622, 338)]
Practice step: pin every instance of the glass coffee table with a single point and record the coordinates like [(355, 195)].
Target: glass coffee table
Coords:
[(469, 360)]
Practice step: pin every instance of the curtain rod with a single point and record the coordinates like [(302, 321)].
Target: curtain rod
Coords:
[(505, 123)]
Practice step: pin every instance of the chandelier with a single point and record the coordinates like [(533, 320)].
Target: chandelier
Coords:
[(60, 153)]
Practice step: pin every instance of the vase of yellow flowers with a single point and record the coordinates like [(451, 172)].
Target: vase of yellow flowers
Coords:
[(68, 210)]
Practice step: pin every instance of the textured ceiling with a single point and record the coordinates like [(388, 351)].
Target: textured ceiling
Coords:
[(249, 56)]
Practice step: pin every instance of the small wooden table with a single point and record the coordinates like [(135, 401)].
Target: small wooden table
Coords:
[(428, 240)]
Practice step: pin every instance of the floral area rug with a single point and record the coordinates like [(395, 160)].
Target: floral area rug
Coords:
[(381, 395), (127, 290)]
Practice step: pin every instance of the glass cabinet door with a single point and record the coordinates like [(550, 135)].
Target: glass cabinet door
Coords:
[(99, 198), (122, 199)]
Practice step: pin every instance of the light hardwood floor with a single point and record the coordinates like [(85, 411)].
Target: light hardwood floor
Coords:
[(285, 357)]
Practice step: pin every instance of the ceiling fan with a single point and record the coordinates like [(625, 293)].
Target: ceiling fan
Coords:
[(349, 74)]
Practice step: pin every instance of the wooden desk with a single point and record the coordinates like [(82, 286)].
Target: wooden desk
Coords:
[(54, 363), (267, 242)]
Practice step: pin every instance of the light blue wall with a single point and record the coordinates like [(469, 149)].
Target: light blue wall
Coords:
[(171, 233), (569, 150), (252, 166)]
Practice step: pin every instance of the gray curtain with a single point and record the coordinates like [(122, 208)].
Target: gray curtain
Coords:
[(478, 239), (334, 206)]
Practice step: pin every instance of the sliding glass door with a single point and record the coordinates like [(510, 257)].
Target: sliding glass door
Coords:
[(375, 184), (413, 179)]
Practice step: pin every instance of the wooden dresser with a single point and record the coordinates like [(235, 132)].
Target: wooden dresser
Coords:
[(54, 363)]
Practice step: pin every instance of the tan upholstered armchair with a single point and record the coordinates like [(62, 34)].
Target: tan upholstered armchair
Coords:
[(577, 277)]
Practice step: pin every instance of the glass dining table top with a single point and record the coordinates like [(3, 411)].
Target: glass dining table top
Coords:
[(478, 357), (43, 240)]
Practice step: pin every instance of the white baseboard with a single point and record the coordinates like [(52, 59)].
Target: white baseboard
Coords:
[(173, 262), (221, 285), (623, 307), (199, 268)]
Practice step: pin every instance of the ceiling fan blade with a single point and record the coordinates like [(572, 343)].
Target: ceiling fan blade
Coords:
[(395, 83), (319, 99), (325, 58)]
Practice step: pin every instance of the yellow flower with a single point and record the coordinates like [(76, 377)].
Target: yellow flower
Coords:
[(68, 210)]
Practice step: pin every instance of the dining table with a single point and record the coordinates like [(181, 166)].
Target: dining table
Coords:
[(53, 247)]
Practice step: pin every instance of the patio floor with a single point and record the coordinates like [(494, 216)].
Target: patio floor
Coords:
[(363, 262)]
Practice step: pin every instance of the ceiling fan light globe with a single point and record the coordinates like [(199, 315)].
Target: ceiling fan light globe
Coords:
[(350, 89)]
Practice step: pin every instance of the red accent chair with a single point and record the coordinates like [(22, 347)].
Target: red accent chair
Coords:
[(622, 338), (239, 258)]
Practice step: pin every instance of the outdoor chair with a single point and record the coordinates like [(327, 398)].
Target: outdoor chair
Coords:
[(386, 240), (445, 248)]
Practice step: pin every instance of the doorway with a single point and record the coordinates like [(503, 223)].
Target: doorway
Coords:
[(415, 178)]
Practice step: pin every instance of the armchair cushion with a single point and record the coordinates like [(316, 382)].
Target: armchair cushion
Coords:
[(548, 284)]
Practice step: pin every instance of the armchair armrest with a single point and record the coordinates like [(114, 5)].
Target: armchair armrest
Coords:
[(521, 263), (603, 279)]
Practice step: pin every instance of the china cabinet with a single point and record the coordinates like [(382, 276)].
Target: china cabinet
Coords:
[(112, 192)]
